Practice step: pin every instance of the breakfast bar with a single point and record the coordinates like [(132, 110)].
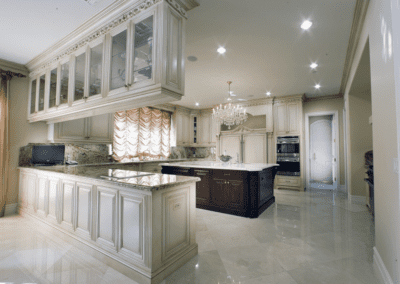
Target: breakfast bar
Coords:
[(235, 188), (144, 221)]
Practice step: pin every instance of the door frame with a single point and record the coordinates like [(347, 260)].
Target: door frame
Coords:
[(335, 120)]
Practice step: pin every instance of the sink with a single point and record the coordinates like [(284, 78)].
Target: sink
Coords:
[(136, 176)]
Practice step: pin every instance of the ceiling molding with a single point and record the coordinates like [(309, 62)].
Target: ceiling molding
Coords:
[(322, 98), (188, 4), (5, 64), (286, 99), (91, 2), (360, 12)]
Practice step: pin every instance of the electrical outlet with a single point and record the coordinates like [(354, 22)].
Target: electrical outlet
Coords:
[(395, 165)]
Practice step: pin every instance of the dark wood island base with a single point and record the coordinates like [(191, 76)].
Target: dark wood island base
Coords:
[(242, 193)]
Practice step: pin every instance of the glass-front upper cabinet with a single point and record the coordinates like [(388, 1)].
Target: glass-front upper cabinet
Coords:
[(33, 97), (80, 63), (42, 84), (143, 51), (64, 82), (96, 70), (118, 59), (53, 88)]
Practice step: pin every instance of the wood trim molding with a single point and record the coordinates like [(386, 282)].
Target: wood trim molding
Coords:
[(286, 99), (360, 12), (322, 98), (12, 66)]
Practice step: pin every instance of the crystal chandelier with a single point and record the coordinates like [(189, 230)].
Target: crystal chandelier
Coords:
[(229, 114)]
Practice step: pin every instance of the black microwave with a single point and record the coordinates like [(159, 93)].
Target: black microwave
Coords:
[(48, 155)]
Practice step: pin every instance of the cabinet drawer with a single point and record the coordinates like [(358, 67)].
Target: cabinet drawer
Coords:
[(288, 181)]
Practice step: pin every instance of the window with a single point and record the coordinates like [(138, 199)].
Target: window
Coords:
[(142, 133)]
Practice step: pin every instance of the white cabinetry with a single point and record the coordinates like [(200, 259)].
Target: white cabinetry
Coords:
[(96, 129), (208, 128), (181, 121), (133, 58), (288, 117)]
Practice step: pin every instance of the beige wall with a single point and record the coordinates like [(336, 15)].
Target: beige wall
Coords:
[(377, 28), (329, 105), (21, 132), (360, 139)]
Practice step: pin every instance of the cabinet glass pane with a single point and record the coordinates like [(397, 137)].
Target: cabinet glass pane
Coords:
[(41, 92), (96, 63), (142, 64), (33, 96), (53, 88), (64, 83), (118, 59), (79, 77)]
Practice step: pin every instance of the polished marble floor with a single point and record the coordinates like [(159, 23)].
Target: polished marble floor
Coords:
[(304, 238)]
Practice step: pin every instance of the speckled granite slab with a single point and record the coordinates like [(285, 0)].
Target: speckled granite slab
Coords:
[(119, 177), (221, 166)]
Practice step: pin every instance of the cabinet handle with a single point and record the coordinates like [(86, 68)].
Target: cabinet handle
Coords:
[(227, 174), (87, 137)]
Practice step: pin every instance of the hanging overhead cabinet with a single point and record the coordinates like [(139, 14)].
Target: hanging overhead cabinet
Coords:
[(131, 60)]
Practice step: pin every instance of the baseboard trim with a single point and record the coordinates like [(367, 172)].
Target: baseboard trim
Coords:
[(356, 199), (11, 209), (380, 268)]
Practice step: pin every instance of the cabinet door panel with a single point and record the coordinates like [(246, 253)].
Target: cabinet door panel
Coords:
[(31, 191), (84, 208), (235, 190), (255, 148), (293, 118), (106, 216), (72, 129), (42, 195), (100, 127), (218, 192), (68, 195), (205, 135), (202, 187), (52, 200), (281, 119)]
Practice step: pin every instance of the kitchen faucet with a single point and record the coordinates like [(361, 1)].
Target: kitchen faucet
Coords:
[(237, 158)]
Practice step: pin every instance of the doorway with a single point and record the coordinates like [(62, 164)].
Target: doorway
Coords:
[(322, 150)]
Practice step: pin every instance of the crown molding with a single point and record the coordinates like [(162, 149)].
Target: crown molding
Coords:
[(12, 66), (292, 98), (188, 4), (360, 12), (323, 98)]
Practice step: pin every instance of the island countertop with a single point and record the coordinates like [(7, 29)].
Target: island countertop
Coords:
[(121, 177), (256, 167)]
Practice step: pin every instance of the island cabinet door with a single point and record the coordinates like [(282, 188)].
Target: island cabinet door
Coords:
[(219, 192), (134, 225), (83, 209), (235, 191), (203, 186), (106, 218)]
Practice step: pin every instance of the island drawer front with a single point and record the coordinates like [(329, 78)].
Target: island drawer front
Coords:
[(228, 174), (177, 171), (289, 181)]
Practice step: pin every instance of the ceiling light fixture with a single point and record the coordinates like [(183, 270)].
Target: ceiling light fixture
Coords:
[(317, 86), (221, 50), (306, 25), (197, 104), (314, 65), (268, 93), (229, 114)]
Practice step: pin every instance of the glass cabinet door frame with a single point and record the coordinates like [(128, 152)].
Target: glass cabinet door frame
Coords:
[(58, 97), (108, 65), (80, 51), (134, 22), (38, 90), (100, 40), (30, 95), (48, 87)]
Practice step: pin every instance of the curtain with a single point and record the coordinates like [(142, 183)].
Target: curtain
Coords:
[(142, 133)]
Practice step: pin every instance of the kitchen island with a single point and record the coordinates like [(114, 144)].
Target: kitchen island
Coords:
[(142, 222), (239, 189)]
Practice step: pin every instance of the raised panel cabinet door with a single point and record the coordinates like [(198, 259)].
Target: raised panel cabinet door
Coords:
[(203, 186), (84, 208), (205, 134), (132, 229), (72, 129), (68, 204), (235, 193), (186, 130), (218, 192), (179, 128), (31, 191), (293, 118), (100, 128), (42, 195), (106, 216), (214, 126), (255, 148), (280, 119), (175, 211), (52, 199)]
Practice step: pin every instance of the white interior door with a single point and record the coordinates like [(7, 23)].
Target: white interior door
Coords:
[(321, 152), (230, 144)]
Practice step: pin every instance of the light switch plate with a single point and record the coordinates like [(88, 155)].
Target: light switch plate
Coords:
[(395, 165)]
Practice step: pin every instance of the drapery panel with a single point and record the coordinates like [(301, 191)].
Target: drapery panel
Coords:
[(141, 133)]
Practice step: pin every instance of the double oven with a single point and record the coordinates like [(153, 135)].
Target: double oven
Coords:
[(288, 155)]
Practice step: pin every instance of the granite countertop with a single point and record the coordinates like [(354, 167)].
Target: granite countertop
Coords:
[(256, 167), (120, 177)]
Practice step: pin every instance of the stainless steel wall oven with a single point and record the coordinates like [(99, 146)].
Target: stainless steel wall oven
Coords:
[(288, 155)]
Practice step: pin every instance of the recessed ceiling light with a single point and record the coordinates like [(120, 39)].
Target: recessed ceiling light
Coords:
[(306, 25), (197, 104), (192, 58), (314, 65), (221, 50), (317, 86), (268, 93), (229, 99)]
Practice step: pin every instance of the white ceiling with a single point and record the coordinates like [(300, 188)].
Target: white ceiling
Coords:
[(266, 48)]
